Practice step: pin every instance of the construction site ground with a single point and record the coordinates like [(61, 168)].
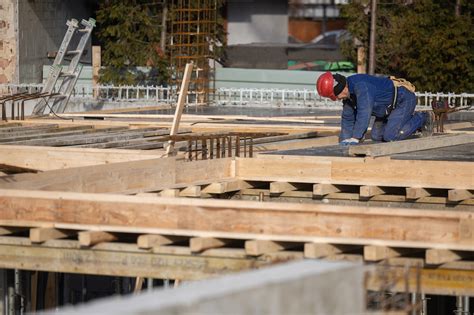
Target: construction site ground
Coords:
[(95, 193)]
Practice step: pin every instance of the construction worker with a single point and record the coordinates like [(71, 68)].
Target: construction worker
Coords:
[(392, 104)]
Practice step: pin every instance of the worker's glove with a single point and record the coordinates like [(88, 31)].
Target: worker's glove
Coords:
[(350, 141)]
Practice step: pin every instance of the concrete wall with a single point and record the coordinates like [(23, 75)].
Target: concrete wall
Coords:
[(257, 21), (8, 41), (42, 25), (304, 287)]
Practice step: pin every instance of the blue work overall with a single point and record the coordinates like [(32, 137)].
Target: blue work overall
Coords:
[(373, 96)]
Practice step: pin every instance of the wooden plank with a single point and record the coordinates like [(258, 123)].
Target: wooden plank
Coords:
[(436, 227), (388, 148), (116, 263), (183, 93), (320, 190), (131, 177), (91, 238), (39, 235), (442, 256), (50, 158), (416, 192), (357, 171), (95, 136), (370, 191), (320, 250), (199, 244), (434, 281), (152, 240), (459, 194)]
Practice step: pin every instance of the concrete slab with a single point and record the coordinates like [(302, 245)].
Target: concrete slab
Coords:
[(304, 287)]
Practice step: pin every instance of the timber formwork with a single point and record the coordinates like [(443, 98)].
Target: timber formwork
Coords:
[(136, 213)]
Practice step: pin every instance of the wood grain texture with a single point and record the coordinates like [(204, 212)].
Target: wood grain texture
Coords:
[(307, 220)]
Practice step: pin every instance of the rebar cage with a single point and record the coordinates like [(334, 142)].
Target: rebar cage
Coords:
[(192, 25)]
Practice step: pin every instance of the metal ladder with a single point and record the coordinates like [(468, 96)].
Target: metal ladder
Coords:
[(67, 78)]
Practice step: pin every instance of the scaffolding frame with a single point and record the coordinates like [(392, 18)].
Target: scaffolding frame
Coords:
[(192, 30)]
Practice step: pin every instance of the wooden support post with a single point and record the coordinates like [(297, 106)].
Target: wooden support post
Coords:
[(138, 285), (91, 238), (416, 193), (199, 244), (320, 250), (151, 240), (320, 190), (190, 191), (442, 256), (39, 235), (459, 195), (183, 92), (370, 191), (96, 63)]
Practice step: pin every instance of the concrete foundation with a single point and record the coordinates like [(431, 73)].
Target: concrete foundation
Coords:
[(305, 287)]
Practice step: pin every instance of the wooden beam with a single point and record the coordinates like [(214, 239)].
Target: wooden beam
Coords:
[(376, 253), (225, 186), (190, 191), (442, 256), (356, 171), (199, 244), (320, 250), (51, 158), (170, 193), (120, 263), (152, 240), (39, 235), (370, 191), (388, 148), (183, 93), (281, 187), (91, 238), (459, 195), (448, 228), (126, 177), (416, 193), (321, 190)]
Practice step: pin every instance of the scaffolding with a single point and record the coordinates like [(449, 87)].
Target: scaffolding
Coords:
[(192, 30)]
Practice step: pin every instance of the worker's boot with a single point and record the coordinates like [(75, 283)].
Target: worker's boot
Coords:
[(428, 127)]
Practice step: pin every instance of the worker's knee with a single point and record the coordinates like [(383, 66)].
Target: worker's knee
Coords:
[(376, 136), (391, 135)]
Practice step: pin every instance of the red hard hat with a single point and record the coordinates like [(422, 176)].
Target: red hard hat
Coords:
[(325, 86)]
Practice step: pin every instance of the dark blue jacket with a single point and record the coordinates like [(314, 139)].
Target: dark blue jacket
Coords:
[(369, 95)]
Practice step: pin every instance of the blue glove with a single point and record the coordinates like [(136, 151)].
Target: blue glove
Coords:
[(350, 141)]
